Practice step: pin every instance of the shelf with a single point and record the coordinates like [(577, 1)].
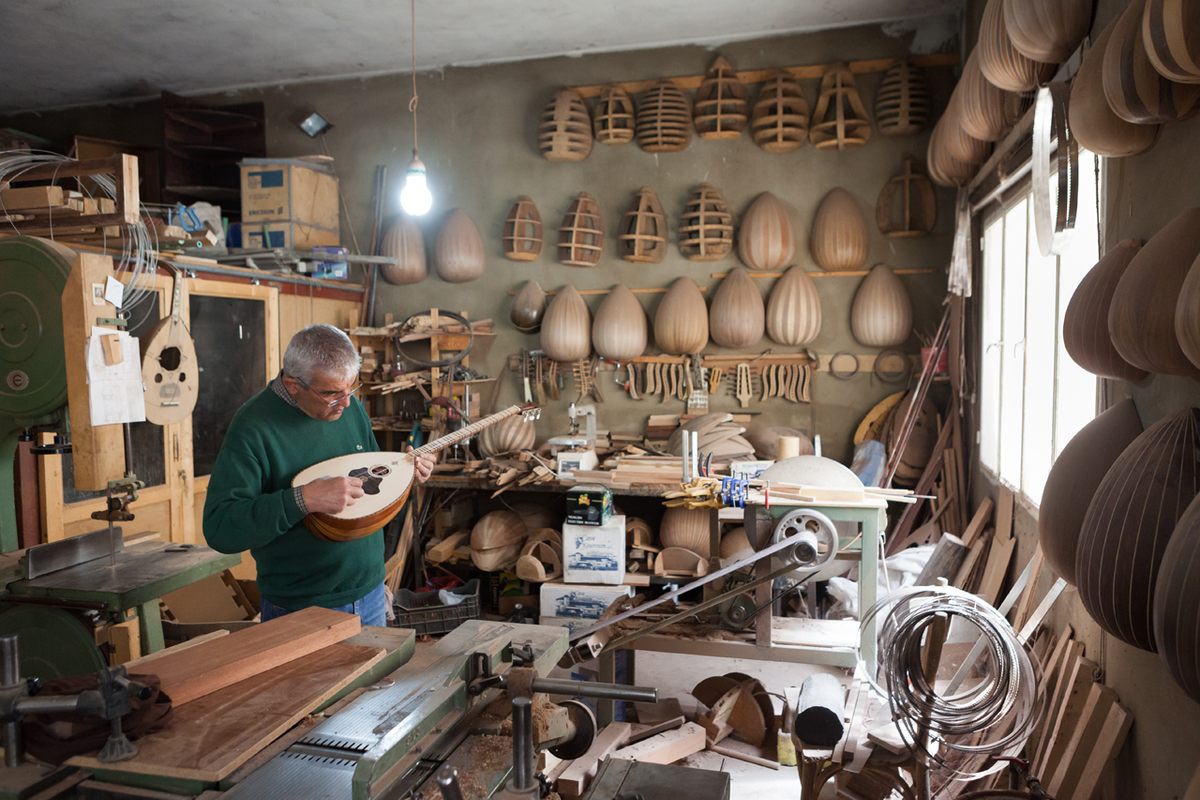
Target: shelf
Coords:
[(460, 482), (825, 642)]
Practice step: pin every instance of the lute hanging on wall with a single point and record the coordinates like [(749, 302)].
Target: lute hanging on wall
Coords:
[(387, 479), (170, 372)]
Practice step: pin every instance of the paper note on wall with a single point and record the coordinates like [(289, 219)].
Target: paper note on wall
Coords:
[(115, 391)]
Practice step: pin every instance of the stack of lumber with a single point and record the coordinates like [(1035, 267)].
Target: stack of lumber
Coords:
[(422, 327), (54, 209), (524, 468), (718, 436)]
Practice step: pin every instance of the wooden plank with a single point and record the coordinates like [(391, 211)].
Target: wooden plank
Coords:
[(1004, 511), (974, 555), (1109, 742), (574, 780), (1022, 610), (997, 567), (978, 522), (1057, 697), (1076, 689), (643, 732), (666, 748), (31, 197), (214, 665), (50, 491), (145, 664), (211, 737), (1050, 667), (1068, 768)]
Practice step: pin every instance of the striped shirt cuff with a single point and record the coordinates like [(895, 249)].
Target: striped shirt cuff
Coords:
[(298, 493)]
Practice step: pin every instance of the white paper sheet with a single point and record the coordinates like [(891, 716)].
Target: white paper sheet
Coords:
[(115, 392)]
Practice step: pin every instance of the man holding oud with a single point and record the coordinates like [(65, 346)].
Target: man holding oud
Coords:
[(305, 415)]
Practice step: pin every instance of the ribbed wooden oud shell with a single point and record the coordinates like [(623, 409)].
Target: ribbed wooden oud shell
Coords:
[(780, 120), (839, 233), (794, 309), (528, 306), (1129, 522), (1134, 89), (999, 60), (1141, 317), (1073, 479), (404, 241), (985, 112), (681, 320), (619, 330), (907, 206), (720, 110), (881, 315), (1094, 124), (1187, 314), (458, 254), (1047, 32), (565, 132), (706, 226), (496, 540), (1085, 324), (507, 436), (567, 327), (581, 235), (902, 102), (523, 231), (1176, 598), (1171, 36), (615, 121), (737, 316), (765, 238), (840, 120), (664, 120), (687, 528), (643, 237), (945, 168)]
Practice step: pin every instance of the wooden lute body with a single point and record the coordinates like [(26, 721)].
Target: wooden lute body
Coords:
[(170, 372), (387, 479)]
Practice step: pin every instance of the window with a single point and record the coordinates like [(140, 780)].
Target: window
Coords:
[(1032, 397)]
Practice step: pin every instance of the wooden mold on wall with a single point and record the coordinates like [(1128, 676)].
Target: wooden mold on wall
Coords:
[(838, 241), (780, 118), (615, 119), (720, 110), (664, 120), (881, 314), (567, 327), (1073, 479), (902, 104), (1047, 32), (528, 306), (681, 319), (840, 120), (1176, 598), (522, 240), (565, 132), (458, 254), (581, 235), (985, 111), (1000, 62), (765, 238), (794, 309), (907, 206), (1130, 520), (1092, 121), (737, 316), (507, 436), (404, 242), (1172, 39), (706, 225), (1135, 91), (620, 329), (1085, 324), (643, 236)]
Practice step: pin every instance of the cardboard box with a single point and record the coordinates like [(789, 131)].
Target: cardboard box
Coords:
[(295, 190), (287, 236), (589, 505), (579, 602), (594, 553)]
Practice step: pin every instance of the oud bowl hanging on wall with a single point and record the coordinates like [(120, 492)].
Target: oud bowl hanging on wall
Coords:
[(765, 238), (567, 327), (839, 233), (721, 110), (614, 116), (902, 103), (1000, 62), (1176, 598), (1172, 40), (1094, 124), (737, 317), (681, 320), (404, 242), (881, 314), (1047, 32), (528, 306), (1085, 325), (619, 330), (794, 309), (522, 239), (1134, 89), (664, 120), (458, 253)]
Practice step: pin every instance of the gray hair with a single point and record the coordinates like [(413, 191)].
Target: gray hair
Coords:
[(321, 350)]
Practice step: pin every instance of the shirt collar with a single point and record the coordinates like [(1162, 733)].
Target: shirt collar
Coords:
[(281, 390)]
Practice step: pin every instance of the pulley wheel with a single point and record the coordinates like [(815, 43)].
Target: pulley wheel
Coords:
[(51, 642), (584, 723), (738, 613)]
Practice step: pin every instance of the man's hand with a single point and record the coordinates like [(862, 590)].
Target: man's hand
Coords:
[(424, 467), (331, 495)]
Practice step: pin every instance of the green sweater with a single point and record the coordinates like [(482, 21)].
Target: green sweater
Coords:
[(251, 504)]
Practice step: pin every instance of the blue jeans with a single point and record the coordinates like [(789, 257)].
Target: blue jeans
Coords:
[(371, 607)]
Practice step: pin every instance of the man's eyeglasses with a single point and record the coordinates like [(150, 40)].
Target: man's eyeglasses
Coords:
[(331, 398)]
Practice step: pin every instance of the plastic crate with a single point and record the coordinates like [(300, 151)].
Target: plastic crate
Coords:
[(423, 612)]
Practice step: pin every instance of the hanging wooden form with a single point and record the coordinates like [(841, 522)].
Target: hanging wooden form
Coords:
[(523, 231), (985, 112), (1172, 39), (643, 236), (780, 120), (458, 253), (720, 111), (840, 120), (881, 315), (1093, 123), (946, 168), (404, 242), (1187, 315), (794, 309), (706, 225), (687, 528), (907, 206), (1085, 324), (681, 320), (765, 238), (581, 236), (839, 233), (737, 316), (565, 132), (528, 306), (999, 60), (1176, 599), (567, 327), (615, 121), (1131, 518), (1141, 316), (664, 120), (1047, 32), (619, 330), (902, 103), (507, 436), (1073, 479), (1134, 89)]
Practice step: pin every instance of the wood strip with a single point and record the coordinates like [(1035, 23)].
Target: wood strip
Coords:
[(1076, 691), (666, 748), (145, 664), (1109, 742), (974, 556), (574, 780), (1004, 511), (1068, 768), (1057, 693), (1021, 613), (997, 567), (32, 198), (975, 527)]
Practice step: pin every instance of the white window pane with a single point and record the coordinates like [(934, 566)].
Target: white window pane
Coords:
[(1041, 343), (989, 356), (1012, 326)]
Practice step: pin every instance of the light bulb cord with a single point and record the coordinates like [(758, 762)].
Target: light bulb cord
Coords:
[(412, 104)]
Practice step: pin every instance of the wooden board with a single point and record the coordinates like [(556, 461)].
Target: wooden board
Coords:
[(1067, 771), (994, 573), (666, 748), (214, 665), (1073, 695), (1105, 748), (211, 737), (575, 779)]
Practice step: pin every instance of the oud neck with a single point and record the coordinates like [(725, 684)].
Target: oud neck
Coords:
[(442, 442)]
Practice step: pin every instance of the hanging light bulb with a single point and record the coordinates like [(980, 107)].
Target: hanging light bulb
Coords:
[(415, 197)]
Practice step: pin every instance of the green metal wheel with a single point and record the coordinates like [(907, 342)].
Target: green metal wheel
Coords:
[(52, 642)]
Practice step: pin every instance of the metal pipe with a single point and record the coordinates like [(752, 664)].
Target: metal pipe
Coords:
[(447, 781), (10, 675), (60, 704), (522, 747), (600, 691)]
